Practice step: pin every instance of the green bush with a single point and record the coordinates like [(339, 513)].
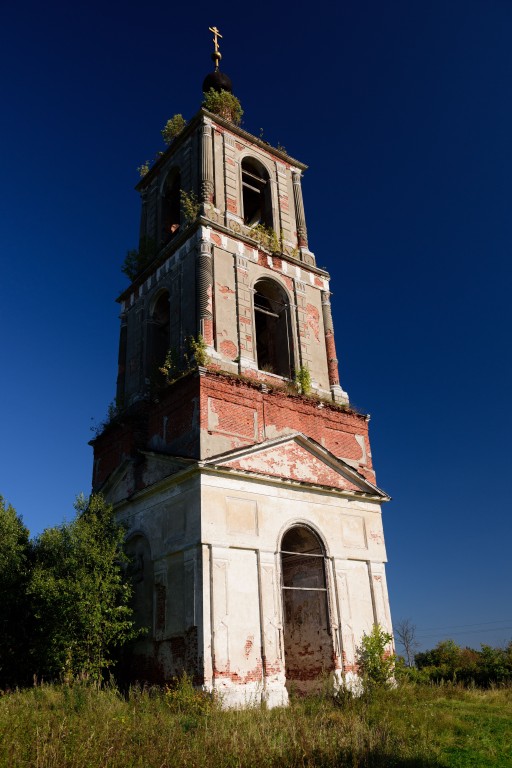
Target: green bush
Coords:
[(224, 104), (80, 595), (173, 128), (374, 660), (303, 380), (136, 261), (16, 555), (189, 205)]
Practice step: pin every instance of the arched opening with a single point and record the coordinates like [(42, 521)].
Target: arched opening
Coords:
[(159, 333), (274, 340), (256, 195), (171, 206), (308, 647), (140, 570)]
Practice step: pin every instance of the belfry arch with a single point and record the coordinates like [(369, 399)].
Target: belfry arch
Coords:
[(158, 332), (308, 645), (274, 338), (170, 211), (256, 193)]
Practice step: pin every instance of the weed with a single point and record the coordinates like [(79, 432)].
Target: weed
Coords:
[(411, 726)]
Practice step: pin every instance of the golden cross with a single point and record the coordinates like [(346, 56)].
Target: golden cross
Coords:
[(217, 34)]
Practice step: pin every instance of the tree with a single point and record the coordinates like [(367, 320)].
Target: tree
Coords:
[(15, 564), (446, 654), (405, 632), (374, 657), (80, 594)]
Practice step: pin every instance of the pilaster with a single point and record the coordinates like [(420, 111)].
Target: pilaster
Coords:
[(207, 183), (332, 361), (302, 235), (204, 291)]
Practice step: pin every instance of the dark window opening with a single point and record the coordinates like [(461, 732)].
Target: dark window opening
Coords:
[(256, 197), (171, 206), (308, 643), (159, 332), (273, 330)]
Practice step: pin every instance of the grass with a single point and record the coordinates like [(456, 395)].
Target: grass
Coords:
[(412, 726)]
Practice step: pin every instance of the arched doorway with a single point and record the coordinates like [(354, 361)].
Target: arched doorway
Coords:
[(308, 647)]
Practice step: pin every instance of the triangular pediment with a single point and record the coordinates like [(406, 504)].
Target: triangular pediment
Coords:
[(300, 459), (121, 484)]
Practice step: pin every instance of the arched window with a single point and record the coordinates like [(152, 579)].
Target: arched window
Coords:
[(171, 208), (274, 340), (159, 332), (256, 195), (140, 569), (308, 645)]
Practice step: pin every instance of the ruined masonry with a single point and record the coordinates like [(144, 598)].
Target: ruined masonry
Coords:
[(254, 521)]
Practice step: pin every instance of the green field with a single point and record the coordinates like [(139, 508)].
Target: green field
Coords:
[(77, 726)]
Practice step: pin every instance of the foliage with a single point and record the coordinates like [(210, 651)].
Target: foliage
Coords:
[(194, 354), (303, 380), (15, 566), (80, 595), (374, 659), (173, 128), (447, 662), (113, 411), (143, 169), (181, 697), (224, 104), (137, 260), (198, 349), (171, 367), (189, 205), (266, 237)]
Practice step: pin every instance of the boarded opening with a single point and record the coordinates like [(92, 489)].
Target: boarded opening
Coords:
[(308, 647)]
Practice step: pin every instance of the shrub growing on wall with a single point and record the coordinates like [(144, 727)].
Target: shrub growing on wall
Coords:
[(224, 104)]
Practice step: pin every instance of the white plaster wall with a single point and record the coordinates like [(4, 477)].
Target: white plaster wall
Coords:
[(215, 544), (242, 523)]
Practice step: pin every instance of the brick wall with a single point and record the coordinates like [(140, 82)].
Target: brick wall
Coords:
[(201, 416)]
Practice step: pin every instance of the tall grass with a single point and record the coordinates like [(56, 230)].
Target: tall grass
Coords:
[(412, 726)]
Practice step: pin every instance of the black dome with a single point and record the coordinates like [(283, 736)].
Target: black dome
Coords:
[(218, 81)]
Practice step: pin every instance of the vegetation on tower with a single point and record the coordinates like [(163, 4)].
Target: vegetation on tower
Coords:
[(224, 104), (138, 259), (173, 128)]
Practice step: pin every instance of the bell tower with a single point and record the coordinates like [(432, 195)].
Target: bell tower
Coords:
[(242, 473)]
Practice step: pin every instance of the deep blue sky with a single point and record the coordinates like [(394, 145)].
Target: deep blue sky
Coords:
[(403, 112)]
